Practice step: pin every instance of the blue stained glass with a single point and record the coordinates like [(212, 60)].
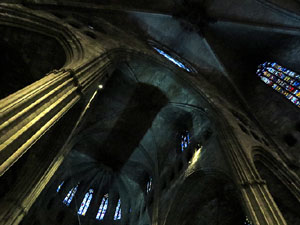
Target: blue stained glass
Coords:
[(185, 140), (102, 208), (287, 82), (117, 215), (59, 186), (176, 62), (86, 202), (70, 196), (149, 185)]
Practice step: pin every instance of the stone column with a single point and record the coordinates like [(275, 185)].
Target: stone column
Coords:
[(27, 114), (258, 202)]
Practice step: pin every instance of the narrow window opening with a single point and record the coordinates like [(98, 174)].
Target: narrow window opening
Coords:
[(170, 58), (149, 185), (59, 186), (185, 140), (117, 215), (102, 208), (70, 196), (86, 202)]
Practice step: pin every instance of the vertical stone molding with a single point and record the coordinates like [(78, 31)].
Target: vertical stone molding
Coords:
[(30, 112), (258, 202)]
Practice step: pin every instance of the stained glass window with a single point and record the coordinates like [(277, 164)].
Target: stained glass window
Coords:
[(102, 208), (117, 215), (175, 61), (284, 81), (70, 196), (149, 185), (185, 140), (59, 186), (86, 202)]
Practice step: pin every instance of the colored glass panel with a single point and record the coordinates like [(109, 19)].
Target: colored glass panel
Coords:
[(103, 207), (282, 80), (175, 61), (70, 196), (59, 186), (149, 185), (117, 215), (185, 140), (86, 202)]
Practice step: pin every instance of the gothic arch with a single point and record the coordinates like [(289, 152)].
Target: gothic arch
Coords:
[(281, 183), (278, 168), (24, 18), (213, 193)]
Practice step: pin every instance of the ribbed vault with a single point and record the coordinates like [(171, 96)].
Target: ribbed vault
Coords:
[(132, 132)]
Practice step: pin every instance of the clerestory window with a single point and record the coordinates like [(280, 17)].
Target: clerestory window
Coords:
[(172, 59), (149, 185), (86, 202), (102, 208), (59, 186), (117, 215), (185, 140), (284, 81), (70, 196)]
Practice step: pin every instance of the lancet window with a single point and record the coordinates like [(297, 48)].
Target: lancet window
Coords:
[(284, 81), (70, 196), (170, 58), (86, 202), (149, 185), (102, 208), (117, 215), (59, 186), (185, 140)]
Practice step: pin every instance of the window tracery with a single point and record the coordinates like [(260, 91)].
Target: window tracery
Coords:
[(102, 208), (284, 81), (70, 196), (86, 202)]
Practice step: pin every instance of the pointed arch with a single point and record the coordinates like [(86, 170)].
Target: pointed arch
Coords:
[(86, 202), (70, 195), (102, 208), (118, 212)]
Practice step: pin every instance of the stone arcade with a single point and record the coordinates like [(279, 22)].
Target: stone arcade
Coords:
[(149, 112)]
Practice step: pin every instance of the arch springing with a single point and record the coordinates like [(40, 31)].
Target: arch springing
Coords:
[(102, 208), (70, 195), (284, 81), (86, 202), (117, 215)]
